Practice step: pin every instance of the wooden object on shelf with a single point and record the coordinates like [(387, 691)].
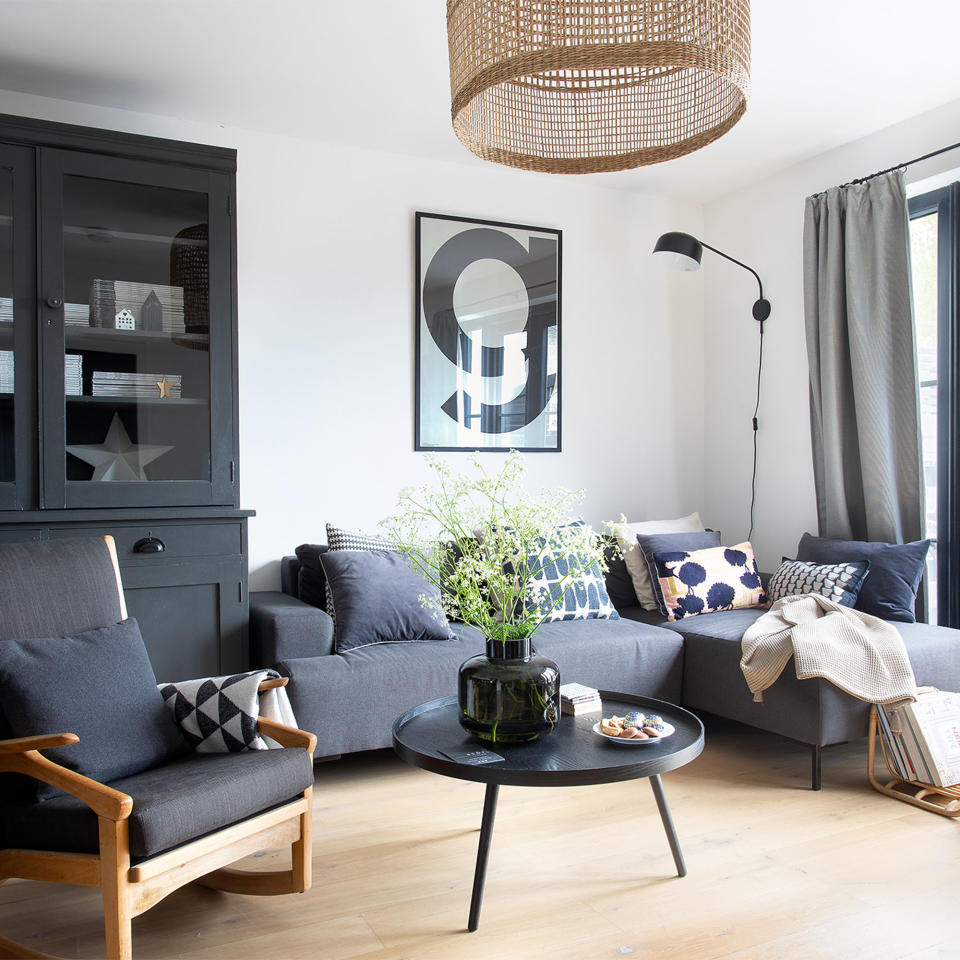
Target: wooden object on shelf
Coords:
[(942, 800)]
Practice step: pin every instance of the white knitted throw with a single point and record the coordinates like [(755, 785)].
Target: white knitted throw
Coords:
[(860, 654)]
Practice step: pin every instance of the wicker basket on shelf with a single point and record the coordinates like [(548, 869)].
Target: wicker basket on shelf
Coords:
[(190, 269)]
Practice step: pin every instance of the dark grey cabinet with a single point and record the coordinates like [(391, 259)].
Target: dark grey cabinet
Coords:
[(118, 373)]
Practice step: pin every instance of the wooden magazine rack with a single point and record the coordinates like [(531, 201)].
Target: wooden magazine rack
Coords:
[(942, 800)]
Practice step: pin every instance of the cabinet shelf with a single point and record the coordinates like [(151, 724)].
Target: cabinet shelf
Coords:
[(141, 401), (95, 338), (104, 235)]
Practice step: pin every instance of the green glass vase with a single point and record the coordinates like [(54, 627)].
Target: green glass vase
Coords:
[(510, 694)]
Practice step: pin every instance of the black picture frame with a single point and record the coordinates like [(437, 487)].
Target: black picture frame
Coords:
[(488, 298)]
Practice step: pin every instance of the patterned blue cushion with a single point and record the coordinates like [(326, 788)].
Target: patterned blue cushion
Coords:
[(585, 598), (839, 582)]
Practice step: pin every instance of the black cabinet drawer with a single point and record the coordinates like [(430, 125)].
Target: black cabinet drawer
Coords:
[(139, 542)]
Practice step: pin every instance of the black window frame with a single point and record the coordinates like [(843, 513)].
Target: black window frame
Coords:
[(945, 203)]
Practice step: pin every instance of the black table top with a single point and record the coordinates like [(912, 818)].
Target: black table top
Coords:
[(571, 755)]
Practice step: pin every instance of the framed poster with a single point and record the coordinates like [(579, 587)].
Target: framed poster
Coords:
[(487, 335)]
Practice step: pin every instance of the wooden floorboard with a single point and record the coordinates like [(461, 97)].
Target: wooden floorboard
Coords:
[(777, 872)]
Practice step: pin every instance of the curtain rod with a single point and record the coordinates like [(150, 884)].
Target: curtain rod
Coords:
[(908, 163)]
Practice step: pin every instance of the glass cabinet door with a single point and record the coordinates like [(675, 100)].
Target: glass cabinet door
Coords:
[(17, 329), (137, 348)]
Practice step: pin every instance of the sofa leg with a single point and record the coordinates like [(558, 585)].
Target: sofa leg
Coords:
[(815, 766)]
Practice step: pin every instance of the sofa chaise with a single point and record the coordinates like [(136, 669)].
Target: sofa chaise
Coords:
[(350, 700)]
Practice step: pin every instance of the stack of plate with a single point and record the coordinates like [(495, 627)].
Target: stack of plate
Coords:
[(6, 310), (73, 374), (114, 383), (154, 306), (76, 314)]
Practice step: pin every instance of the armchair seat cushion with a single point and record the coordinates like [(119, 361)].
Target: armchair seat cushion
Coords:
[(172, 804)]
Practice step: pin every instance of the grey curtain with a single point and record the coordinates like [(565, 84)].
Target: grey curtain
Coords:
[(864, 397)]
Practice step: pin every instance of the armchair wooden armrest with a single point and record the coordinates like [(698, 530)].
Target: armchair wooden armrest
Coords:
[(272, 683), (21, 756), (286, 736), (45, 741)]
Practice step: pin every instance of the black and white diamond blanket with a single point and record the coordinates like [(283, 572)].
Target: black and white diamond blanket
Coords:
[(219, 714)]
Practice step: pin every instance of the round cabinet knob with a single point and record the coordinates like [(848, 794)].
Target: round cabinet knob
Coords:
[(149, 545), (54, 303)]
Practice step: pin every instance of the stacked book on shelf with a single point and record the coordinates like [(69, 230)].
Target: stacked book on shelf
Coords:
[(76, 314), (154, 307), (116, 383), (6, 371), (923, 737), (6, 310), (577, 699), (73, 374)]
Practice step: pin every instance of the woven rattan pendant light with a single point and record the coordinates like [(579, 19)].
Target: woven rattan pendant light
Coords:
[(562, 86)]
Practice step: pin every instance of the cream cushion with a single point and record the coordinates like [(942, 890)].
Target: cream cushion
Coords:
[(633, 556)]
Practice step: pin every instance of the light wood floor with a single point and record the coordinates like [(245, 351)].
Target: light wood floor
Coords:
[(777, 872)]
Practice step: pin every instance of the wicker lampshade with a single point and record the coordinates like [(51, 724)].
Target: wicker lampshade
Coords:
[(562, 86)]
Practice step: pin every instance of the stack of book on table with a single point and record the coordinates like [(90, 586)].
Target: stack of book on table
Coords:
[(116, 383), (575, 699), (923, 737)]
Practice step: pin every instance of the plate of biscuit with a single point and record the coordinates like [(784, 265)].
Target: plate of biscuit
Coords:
[(633, 728)]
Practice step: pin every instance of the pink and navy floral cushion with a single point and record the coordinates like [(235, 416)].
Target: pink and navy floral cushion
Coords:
[(709, 580)]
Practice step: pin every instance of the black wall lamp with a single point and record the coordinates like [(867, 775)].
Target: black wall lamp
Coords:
[(681, 251)]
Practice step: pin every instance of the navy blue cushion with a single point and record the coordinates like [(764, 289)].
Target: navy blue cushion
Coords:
[(890, 588), (667, 543), (376, 597), (98, 684)]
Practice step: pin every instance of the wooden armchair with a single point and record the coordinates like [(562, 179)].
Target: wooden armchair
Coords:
[(142, 836)]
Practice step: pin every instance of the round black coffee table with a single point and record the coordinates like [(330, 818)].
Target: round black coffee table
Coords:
[(572, 755)]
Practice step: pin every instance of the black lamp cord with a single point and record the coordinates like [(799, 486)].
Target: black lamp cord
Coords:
[(756, 410)]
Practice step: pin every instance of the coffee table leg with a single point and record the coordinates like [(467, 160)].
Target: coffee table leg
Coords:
[(668, 825), (483, 852)]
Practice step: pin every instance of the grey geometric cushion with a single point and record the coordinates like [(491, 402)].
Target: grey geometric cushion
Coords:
[(99, 685), (840, 582)]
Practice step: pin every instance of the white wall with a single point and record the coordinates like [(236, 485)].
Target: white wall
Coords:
[(326, 330), (763, 226)]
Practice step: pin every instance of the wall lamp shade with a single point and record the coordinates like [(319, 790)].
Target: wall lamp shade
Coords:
[(679, 251), (590, 86)]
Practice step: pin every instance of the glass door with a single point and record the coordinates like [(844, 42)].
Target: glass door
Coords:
[(18, 319), (137, 340)]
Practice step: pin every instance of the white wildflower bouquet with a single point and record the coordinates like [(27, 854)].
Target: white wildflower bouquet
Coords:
[(489, 546)]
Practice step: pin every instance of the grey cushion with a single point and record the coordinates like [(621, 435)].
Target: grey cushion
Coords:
[(56, 588), (98, 684), (172, 804), (890, 588), (311, 580), (618, 580), (377, 600), (654, 543)]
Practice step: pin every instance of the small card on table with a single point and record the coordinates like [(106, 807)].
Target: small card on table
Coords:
[(478, 755)]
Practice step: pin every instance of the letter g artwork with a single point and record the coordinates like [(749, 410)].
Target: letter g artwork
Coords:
[(488, 335)]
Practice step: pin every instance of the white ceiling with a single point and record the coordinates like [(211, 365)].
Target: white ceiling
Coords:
[(373, 73)]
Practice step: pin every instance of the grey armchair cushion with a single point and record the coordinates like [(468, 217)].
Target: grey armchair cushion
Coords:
[(172, 804), (97, 684)]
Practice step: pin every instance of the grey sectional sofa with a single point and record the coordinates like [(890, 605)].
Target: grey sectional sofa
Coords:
[(350, 700)]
